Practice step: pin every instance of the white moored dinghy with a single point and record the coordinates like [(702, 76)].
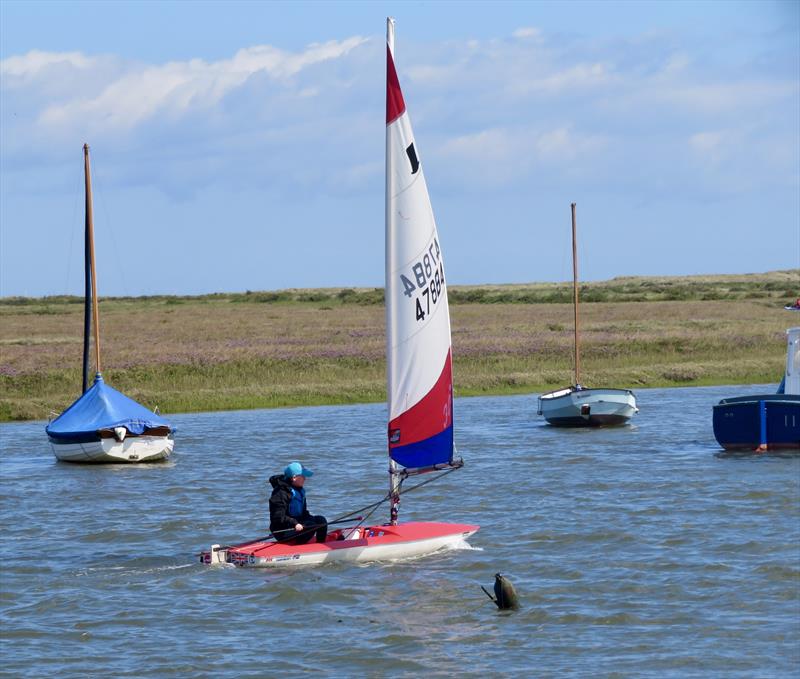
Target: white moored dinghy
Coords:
[(419, 370), (576, 405)]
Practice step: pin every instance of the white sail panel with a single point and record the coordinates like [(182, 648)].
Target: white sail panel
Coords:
[(418, 317)]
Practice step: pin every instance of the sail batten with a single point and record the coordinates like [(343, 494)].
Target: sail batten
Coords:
[(419, 362)]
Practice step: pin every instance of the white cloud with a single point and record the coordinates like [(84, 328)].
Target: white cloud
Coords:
[(34, 62), (705, 142), (527, 32), (268, 141), (501, 156), (137, 94), (563, 144), (578, 76), (505, 110), (731, 98)]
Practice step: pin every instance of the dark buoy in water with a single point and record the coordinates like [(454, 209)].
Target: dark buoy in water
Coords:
[(505, 596)]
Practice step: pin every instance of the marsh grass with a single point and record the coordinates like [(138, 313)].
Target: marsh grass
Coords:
[(301, 347)]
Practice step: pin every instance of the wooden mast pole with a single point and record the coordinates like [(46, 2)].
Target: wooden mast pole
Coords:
[(575, 296), (90, 236), (87, 299)]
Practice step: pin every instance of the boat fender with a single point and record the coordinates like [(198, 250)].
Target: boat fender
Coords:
[(120, 433)]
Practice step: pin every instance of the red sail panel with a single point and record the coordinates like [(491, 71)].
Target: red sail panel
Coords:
[(395, 106), (428, 418)]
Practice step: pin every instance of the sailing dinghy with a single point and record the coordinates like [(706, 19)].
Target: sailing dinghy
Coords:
[(576, 405), (419, 370), (104, 425)]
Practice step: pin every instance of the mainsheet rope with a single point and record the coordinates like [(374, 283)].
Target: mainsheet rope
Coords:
[(374, 506)]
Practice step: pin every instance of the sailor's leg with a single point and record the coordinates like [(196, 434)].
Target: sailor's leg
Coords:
[(322, 527)]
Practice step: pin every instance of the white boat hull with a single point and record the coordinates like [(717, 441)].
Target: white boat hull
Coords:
[(133, 449), (572, 407), (358, 554), (378, 543)]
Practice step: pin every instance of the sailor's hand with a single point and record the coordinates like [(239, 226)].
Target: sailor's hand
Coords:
[(298, 527)]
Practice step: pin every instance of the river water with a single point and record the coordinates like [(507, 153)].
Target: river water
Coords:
[(639, 551)]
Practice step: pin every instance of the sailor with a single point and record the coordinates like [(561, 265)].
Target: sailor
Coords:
[(289, 518)]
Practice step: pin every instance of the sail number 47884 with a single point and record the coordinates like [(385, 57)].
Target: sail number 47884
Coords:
[(426, 281)]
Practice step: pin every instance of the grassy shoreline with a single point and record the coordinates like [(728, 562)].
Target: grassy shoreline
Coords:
[(315, 347)]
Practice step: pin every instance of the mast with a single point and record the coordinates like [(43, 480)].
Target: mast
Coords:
[(87, 278), (575, 297), (394, 472), (90, 251)]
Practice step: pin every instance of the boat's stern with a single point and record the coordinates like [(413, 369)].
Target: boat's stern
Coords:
[(215, 555)]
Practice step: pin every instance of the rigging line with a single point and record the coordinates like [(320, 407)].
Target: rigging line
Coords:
[(363, 519), (400, 490), (373, 506), (100, 191), (72, 229), (430, 480), (274, 533)]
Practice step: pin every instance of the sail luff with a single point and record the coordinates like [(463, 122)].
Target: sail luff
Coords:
[(394, 475)]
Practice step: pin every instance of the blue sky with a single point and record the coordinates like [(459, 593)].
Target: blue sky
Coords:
[(239, 146)]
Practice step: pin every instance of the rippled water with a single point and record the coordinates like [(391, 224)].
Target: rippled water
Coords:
[(636, 551)]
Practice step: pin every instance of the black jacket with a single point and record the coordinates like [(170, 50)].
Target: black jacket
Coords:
[(279, 518)]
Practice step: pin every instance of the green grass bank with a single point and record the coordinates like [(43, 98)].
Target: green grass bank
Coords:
[(308, 347)]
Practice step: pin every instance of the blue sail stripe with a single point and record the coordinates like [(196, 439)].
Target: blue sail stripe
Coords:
[(437, 449)]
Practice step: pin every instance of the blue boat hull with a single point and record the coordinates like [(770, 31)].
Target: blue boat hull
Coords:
[(768, 422)]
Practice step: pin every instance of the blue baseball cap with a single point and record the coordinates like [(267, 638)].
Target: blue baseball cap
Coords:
[(296, 469)]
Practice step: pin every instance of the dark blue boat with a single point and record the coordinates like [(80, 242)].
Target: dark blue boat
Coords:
[(768, 421)]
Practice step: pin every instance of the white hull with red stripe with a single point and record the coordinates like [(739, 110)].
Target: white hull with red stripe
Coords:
[(374, 543)]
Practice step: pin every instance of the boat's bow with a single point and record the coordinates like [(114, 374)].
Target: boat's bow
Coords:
[(581, 407)]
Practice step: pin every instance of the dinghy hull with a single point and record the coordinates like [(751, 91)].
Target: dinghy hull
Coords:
[(372, 543), (572, 407), (132, 449)]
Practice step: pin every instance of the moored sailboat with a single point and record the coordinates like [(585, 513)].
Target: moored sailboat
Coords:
[(419, 370), (576, 405), (104, 425)]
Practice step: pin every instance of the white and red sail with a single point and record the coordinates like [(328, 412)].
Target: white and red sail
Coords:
[(419, 364), (419, 370)]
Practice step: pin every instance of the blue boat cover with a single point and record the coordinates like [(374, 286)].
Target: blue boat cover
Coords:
[(103, 407)]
